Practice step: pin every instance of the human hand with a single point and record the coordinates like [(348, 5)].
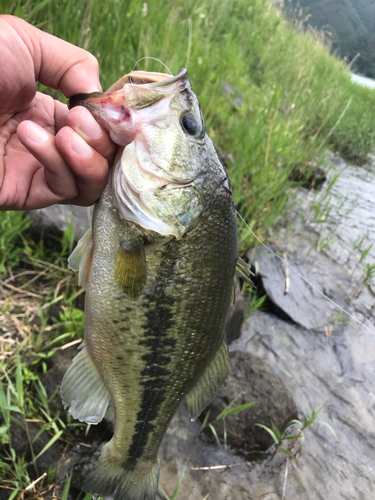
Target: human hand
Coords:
[(48, 154)]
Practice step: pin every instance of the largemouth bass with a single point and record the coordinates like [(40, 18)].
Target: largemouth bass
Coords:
[(158, 268)]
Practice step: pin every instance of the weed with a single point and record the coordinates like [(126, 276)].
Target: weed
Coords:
[(228, 410), (368, 275), (253, 302), (13, 226), (298, 438), (28, 328)]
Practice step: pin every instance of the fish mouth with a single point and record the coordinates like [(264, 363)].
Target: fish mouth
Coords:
[(117, 108), (153, 80), (109, 109)]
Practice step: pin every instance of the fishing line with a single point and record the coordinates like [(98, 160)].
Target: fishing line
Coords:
[(155, 59), (300, 275)]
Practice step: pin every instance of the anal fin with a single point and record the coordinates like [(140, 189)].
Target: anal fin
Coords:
[(200, 396), (83, 391)]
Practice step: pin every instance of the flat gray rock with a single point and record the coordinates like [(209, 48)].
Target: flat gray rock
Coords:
[(335, 375), (52, 221), (301, 304)]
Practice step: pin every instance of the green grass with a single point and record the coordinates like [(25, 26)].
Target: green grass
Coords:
[(38, 314), (297, 439)]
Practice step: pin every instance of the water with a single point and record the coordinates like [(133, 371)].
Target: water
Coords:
[(363, 80)]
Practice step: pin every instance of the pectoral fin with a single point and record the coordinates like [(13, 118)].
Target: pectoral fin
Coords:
[(81, 258), (130, 267), (202, 393)]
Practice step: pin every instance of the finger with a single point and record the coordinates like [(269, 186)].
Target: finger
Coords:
[(82, 121), (57, 176), (17, 83), (89, 167), (61, 114), (58, 64)]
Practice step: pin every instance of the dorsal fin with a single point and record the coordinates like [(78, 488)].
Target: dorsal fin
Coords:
[(201, 395)]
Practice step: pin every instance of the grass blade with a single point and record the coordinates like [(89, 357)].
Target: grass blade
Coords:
[(65, 491), (204, 423), (214, 433), (19, 382), (177, 487), (49, 444), (164, 493), (330, 429), (270, 432), (225, 413), (14, 493)]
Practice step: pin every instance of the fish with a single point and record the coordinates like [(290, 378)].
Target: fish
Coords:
[(159, 266)]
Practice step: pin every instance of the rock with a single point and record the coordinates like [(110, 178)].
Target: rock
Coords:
[(184, 444), (308, 176), (336, 377), (235, 317), (302, 304), (254, 381), (52, 221)]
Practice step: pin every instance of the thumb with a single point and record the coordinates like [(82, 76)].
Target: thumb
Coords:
[(58, 64)]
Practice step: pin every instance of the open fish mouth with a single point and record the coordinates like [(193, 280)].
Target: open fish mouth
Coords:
[(134, 92)]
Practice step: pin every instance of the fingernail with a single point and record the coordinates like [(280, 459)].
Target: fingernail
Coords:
[(80, 146), (36, 134), (88, 125)]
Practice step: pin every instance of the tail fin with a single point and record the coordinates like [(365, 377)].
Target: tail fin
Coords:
[(110, 478)]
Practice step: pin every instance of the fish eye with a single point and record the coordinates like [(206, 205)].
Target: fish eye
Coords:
[(190, 124)]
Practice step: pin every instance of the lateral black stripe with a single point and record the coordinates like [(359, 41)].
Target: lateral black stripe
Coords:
[(159, 348)]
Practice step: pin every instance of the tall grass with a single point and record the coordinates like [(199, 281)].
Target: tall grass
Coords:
[(296, 98)]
